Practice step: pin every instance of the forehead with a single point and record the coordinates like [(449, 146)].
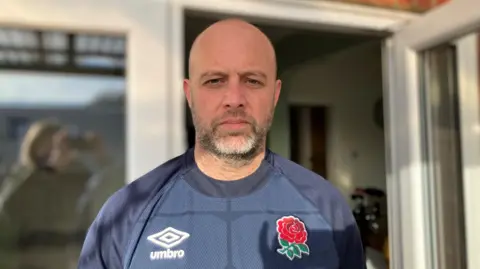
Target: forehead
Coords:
[(233, 52)]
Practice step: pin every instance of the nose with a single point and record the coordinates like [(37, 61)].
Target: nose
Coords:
[(235, 95)]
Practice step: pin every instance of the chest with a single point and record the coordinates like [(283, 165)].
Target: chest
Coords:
[(235, 237)]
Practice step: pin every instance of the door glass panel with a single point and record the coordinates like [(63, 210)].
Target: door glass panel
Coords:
[(443, 157), (62, 137), (443, 100)]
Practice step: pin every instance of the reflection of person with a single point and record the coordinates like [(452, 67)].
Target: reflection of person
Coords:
[(35, 152), (38, 198), (229, 202), (48, 147)]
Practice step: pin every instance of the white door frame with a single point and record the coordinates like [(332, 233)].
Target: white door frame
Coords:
[(300, 13), (332, 16), (407, 186), (149, 139), (469, 83)]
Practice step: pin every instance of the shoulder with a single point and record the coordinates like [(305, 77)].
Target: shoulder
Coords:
[(109, 234), (306, 181), (134, 196), (317, 190)]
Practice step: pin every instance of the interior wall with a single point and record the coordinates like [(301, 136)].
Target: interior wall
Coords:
[(348, 83)]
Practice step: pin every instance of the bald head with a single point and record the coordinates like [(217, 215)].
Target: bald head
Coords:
[(232, 89), (227, 39)]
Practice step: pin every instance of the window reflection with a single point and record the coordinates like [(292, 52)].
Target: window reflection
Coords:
[(62, 136)]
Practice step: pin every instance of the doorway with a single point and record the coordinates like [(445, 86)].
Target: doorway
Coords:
[(323, 72), (326, 118), (308, 137)]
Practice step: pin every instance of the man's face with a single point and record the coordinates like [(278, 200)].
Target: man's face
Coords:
[(232, 92)]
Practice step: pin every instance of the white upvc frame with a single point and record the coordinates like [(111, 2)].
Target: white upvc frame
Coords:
[(406, 184), (149, 138), (469, 85)]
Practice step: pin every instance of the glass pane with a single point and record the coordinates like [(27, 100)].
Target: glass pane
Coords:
[(443, 156), (62, 142), (450, 99)]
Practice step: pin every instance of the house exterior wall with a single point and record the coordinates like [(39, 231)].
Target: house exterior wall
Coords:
[(410, 5)]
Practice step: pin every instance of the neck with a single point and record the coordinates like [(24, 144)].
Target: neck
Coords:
[(226, 169)]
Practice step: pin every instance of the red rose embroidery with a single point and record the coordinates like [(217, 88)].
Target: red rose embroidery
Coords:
[(292, 230), (292, 236)]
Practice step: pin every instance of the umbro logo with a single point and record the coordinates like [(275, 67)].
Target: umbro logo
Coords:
[(168, 238)]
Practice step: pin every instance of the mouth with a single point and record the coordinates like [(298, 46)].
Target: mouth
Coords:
[(234, 124), (233, 121)]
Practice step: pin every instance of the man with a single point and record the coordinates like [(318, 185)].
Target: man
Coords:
[(229, 202)]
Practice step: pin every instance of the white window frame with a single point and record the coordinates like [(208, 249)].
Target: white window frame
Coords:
[(407, 186), (150, 139), (469, 83)]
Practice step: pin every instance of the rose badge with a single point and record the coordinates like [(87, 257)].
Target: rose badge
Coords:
[(292, 237)]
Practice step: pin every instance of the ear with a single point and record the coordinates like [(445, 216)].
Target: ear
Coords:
[(278, 88), (187, 92)]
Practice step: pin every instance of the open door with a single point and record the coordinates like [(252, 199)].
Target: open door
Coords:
[(433, 139)]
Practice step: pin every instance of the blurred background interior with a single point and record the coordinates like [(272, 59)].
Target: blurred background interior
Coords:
[(64, 121)]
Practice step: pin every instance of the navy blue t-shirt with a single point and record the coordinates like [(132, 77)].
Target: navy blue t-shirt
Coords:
[(282, 216)]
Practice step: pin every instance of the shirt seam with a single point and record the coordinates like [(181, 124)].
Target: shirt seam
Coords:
[(290, 181)]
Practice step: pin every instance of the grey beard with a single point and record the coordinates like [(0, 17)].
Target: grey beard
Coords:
[(207, 141), (206, 138)]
